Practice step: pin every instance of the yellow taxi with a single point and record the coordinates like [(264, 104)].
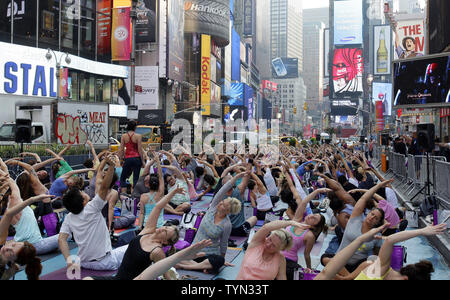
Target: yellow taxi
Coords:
[(150, 134), (287, 140)]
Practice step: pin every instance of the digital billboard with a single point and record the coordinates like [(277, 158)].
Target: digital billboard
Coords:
[(235, 56), (409, 37), (348, 68), (383, 92), (236, 94), (146, 21), (344, 107), (382, 50), (423, 81), (175, 26), (283, 67), (348, 22), (326, 51)]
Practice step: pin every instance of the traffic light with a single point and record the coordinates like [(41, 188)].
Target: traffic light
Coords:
[(295, 110), (174, 108), (305, 107)]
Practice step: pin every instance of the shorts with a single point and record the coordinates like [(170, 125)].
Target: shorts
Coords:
[(216, 261), (242, 230)]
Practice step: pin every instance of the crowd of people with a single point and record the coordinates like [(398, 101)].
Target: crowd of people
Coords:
[(308, 180)]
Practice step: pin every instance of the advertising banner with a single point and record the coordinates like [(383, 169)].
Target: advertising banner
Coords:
[(146, 21), (210, 17), (344, 107), (235, 56), (248, 17), (151, 117), (76, 123), (103, 27), (175, 27), (326, 52), (348, 68), (147, 87), (283, 67), (409, 37), (236, 94), (348, 22), (382, 50), (383, 92), (206, 75), (379, 116), (63, 82), (216, 104), (423, 81), (121, 34), (249, 101)]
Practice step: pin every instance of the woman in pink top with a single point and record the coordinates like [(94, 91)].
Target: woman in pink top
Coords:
[(132, 154), (263, 259), (303, 239)]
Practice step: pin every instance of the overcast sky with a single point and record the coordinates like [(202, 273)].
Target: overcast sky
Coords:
[(315, 3)]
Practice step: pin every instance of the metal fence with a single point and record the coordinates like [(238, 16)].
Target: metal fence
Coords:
[(413, 172)]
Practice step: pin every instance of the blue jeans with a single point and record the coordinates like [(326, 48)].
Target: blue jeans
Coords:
[(130, 165)]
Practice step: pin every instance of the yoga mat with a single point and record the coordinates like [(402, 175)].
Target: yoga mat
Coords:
[(239, 240), (172, 217), (45, 257), (196, 275), (232, 254), (61, 274)]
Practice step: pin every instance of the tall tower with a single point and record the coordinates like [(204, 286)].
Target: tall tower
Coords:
[(286, 30)]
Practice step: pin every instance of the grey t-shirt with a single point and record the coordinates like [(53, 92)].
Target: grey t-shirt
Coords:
[(353, 231), (140, 188)]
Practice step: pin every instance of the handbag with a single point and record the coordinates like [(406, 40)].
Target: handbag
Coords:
[(190, 223), (51, 224), (412, 216), (270, 216)]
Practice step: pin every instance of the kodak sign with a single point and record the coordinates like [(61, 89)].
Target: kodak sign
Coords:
[(206, 75)]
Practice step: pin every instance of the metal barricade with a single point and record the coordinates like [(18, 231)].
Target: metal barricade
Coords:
[(442, 181), (399, 166)]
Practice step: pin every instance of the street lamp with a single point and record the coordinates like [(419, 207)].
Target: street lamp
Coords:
[(49, 56)]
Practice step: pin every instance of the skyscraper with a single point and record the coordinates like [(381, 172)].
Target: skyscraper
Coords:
[(286, 30)]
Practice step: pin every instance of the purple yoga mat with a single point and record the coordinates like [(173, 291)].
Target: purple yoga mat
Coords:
[(61, 274), (172, 217), (239, 240)]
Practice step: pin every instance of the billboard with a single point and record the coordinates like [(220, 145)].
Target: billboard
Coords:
[(348, 22), (151, 117), (326, 51), (248, 17), (383, 92), (382, 50), (147, 87), (210, 17), (216, 104), (121, 34), (103, 27), (236, 94), (283, 67), (146, 21), (409, 37), (348, 68), (235, 56), (439, 25), (344, 107), (175, 27), (206, 75), (249, 101), (422, 82)]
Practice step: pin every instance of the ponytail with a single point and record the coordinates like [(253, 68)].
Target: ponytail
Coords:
[(27, 256), (419, 271)]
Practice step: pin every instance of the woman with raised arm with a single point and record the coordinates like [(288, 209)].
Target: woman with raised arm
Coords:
[(263, 259), (61, 166), (357, 225), (259, 197), (303, 239), (147, 247), (131, 152), (216, 226), (13, 253), (181, 203), (25, 224), (149, 200)]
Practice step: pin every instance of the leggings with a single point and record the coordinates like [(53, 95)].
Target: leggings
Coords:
[(131, 165)]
